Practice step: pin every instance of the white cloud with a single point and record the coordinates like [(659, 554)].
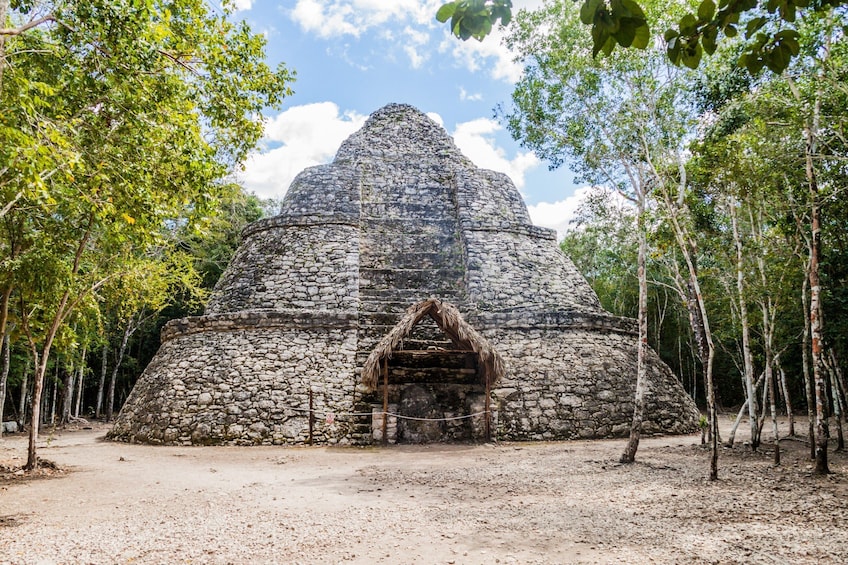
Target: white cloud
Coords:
[(436, 118), (465, 96), (475, 140), (414, 41), (558, 215), (309, 134), (491, 54), (332, 18), (326, 21)]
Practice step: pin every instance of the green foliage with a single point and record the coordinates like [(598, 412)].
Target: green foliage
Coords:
[(119, 121), (738, 144), (602, 244), (617, 22), (475, 18), (772, 39)]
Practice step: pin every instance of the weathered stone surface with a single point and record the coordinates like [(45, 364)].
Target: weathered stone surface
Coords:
[(398, 217)]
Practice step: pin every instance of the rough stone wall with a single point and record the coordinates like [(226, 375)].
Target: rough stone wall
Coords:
[(291, 263), (566, 383), (523, 267), (247, 386)]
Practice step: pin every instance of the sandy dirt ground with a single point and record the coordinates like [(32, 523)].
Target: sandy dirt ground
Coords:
[(568, 502)]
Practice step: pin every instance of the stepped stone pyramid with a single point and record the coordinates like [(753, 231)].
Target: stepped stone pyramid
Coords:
[(399, 217)]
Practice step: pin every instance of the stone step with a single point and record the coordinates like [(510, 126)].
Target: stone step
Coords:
[(408, 260), (419, 280)]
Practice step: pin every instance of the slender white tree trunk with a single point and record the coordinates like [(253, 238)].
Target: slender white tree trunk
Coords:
[(784, 386), (98, 410), (4, 375), (80, 384), (837, 403), (809, 386), (24, 393), (110, 400), (684, 243), (747, 357), (629, 454)]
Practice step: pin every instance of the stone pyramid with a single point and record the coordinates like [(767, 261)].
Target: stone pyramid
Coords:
[(399, 217)]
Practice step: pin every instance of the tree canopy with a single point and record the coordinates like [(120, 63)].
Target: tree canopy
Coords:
[(120, 122), (769, 27)]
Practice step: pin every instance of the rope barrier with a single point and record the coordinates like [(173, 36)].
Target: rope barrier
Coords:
[(400, 416)]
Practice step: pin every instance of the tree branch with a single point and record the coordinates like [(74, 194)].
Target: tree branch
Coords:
[(28, 26)]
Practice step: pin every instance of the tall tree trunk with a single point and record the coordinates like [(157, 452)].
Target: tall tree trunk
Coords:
[(67, 394), (98, 411), (811, 132), (731, 437), (24, 393), (41, 358), (110, 402), (784, 386), (686, 246), (747, 357), (80, 383), (629, 454), (4, 377), (816, 322), (809, 386), (837, 403), (35, 409), (773, 408)]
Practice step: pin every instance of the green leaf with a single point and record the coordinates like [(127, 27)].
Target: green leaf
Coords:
[(608, 46), (642, 38), (445, 12), (779, 58), (708, 40), (632, 10), (706, 11), (730, 31), (688, 25), (793, 45), (599, 38), (626, 33), (753, 26), (691, 57), (588, 10)]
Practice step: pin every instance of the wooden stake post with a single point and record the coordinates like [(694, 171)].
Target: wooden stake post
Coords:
[(488, 409), (311, 418), (385, 401)]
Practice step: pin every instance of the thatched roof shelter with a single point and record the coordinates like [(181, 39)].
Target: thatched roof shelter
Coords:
[(450, 321)]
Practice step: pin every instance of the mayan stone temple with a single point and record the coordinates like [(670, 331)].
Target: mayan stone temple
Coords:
[(402, 295)]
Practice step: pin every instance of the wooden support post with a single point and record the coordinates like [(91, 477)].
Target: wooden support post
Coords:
[(385, 401), (488, 409), (311, 418)]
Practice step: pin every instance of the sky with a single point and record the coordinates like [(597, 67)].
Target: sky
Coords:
[(352, 57)]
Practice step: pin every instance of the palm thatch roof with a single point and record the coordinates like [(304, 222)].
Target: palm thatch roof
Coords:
[(450, 321)]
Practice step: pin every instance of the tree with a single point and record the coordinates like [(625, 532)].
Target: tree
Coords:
[(772, 38), (617, 118), (119, 119)]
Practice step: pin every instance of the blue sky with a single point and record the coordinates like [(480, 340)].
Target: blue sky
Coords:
[(354, 56)]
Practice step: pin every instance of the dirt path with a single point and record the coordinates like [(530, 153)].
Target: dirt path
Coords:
[(508, 503)]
